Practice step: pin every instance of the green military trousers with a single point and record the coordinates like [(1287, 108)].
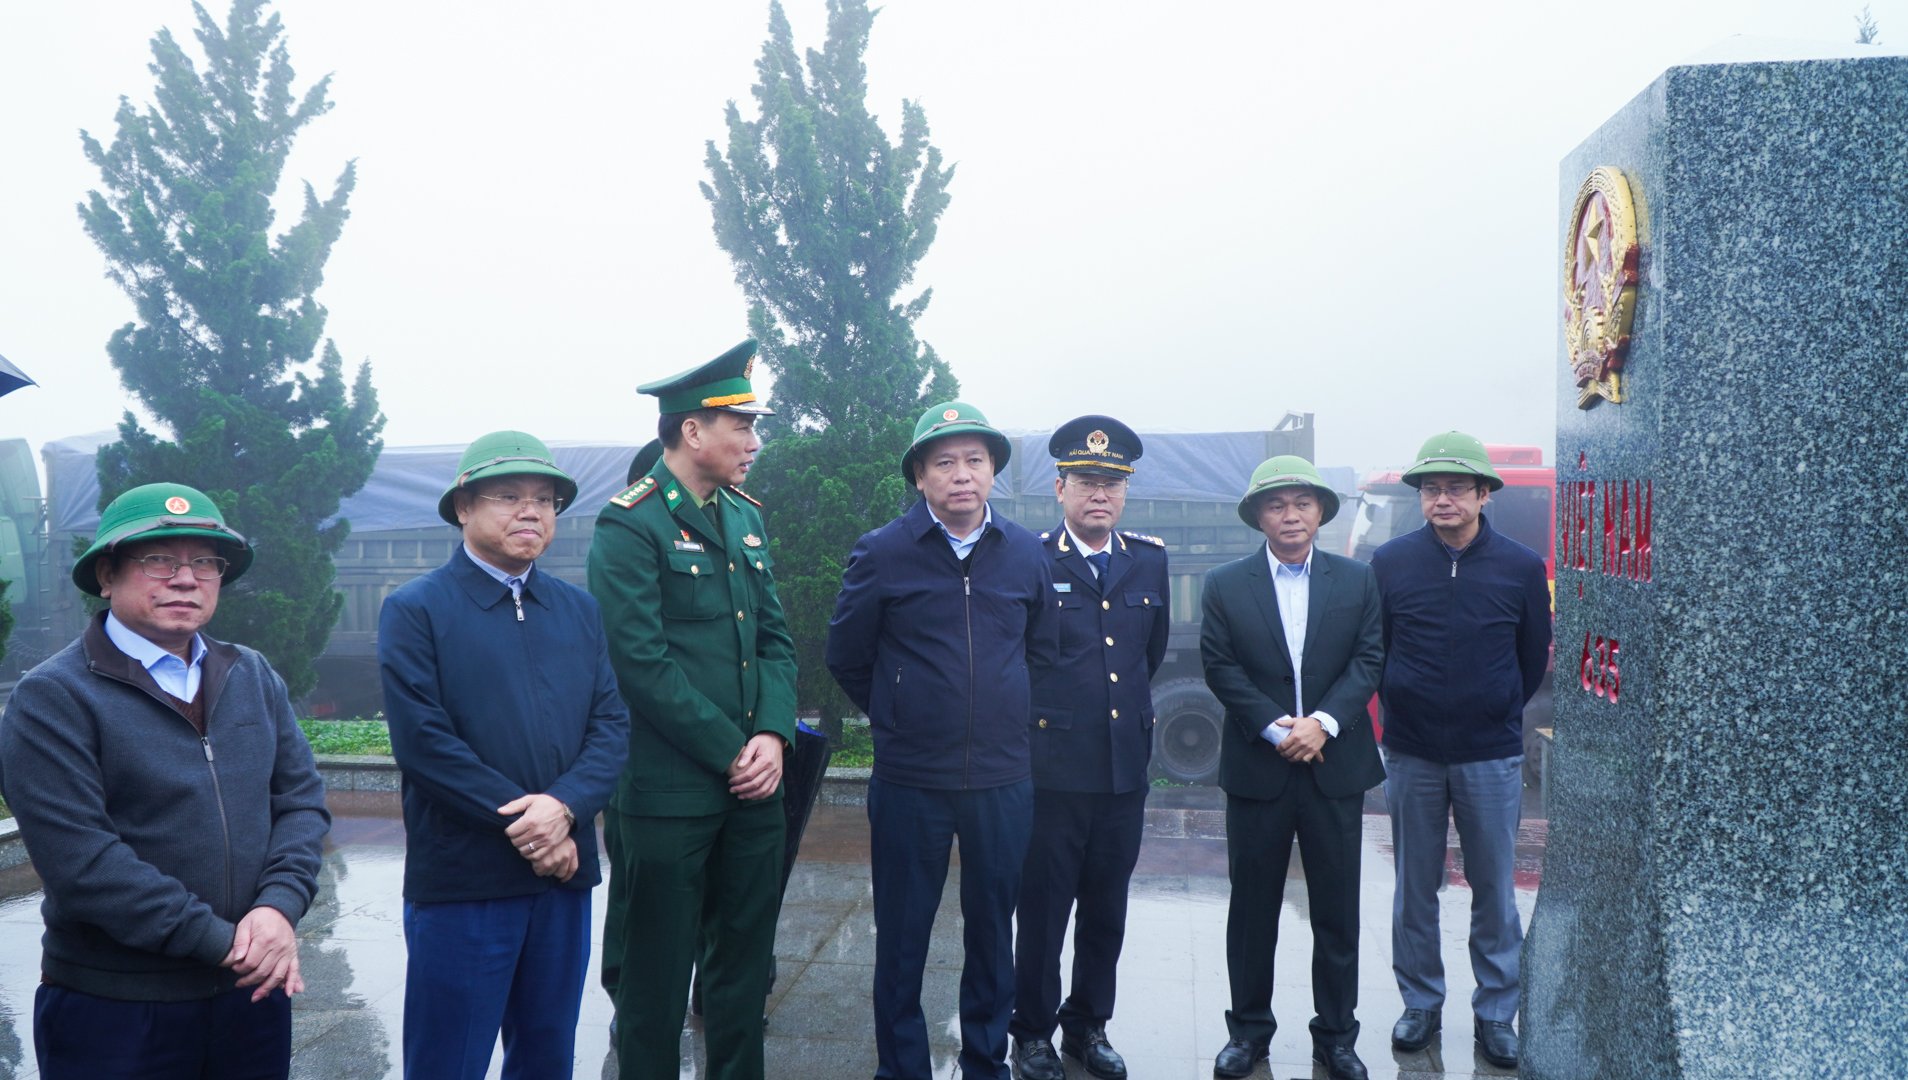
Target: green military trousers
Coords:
[(714, 879)]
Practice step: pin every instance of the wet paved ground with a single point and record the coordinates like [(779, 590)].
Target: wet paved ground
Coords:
[(1172, 975)]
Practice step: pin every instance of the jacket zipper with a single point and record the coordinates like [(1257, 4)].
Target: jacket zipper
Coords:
[(967, 607)]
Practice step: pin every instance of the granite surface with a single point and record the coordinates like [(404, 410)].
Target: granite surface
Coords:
[(1726, 886)]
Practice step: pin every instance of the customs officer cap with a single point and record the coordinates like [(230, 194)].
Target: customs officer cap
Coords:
[(1454, 453), (1286, 470), (722, 383), (1095, 446), (506, 453), (954, 418), (155, 512)]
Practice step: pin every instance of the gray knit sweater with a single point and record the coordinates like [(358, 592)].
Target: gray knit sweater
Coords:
[(152, 842)]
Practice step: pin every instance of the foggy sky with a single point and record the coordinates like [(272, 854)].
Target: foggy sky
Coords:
[(1193, 217)]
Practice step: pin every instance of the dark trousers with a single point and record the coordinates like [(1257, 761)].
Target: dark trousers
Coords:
[(1259, 834), (1081, 858), (477, 967), (79, 1036), (714, 878), (911, 831)]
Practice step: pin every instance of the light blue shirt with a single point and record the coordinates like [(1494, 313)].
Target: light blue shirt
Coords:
[(174, 676), (514, 582), (964, 545), (1293, 585)]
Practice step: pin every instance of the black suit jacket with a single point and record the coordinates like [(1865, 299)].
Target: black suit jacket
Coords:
[(1249, 668), (1093, 706)]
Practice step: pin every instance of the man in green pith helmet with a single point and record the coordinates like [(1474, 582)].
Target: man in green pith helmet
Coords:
[(170, 804), (681, 566), (1290, 640), (1467, 638)]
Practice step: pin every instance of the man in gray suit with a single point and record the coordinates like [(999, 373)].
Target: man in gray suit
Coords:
[(1290, 638)]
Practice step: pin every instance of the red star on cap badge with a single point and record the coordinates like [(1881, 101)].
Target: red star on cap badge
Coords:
[(177, 505)]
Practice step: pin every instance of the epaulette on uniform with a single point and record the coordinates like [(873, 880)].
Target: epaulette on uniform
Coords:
[(634, 493), (1144, 539), (746, 496)]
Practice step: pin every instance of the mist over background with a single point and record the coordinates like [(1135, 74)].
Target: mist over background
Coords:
[(1194, 218)]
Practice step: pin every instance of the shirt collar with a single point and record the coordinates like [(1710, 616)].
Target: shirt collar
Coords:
[(1302, 570), (502, 577), (1081, 545), (987, 518), (147, 654)]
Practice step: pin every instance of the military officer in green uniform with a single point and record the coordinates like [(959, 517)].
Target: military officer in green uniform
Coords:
[(681, 567)]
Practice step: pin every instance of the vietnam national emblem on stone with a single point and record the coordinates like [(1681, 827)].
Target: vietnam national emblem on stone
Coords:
[(1600, 273)]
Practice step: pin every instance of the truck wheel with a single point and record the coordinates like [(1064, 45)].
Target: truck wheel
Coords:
[(1186, 731)]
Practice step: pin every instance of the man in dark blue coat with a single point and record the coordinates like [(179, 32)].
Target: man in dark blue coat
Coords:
[(941, 612), (1290, 640), (508, 728), (1092, 736), (1467, 638)]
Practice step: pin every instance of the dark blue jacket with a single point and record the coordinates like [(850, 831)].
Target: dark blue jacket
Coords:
[(1093, 706), (484, 709), (936, 649), (1466, 644)]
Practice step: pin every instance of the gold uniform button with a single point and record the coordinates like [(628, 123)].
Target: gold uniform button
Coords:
[(1146, 600), (745, 665), (738, 615), (1114, 675), (758, 564), (1116, 714), (731, 568), (694, 570), (1043, 721), (751, 714), (1106, 605), (1109, 641)]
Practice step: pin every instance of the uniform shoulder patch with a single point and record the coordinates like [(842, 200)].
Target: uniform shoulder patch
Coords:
[(634, 493), (1143, 538), (746, 496)]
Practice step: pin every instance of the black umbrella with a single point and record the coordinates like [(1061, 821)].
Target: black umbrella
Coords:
[(12, 378)]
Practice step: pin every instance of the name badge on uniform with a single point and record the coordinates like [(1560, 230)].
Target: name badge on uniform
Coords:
[(688, 545), (1063, 586)]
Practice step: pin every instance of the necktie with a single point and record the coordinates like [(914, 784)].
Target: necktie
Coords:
[(1100, 559)]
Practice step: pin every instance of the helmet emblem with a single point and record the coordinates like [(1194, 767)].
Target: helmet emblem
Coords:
[(951, 414), (1096, 442), (177, 505)]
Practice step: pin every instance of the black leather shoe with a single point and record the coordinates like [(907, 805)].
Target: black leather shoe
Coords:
[(1340, 1062), (1091, 1049), (1239, 1058), (1034, 1059), (1497, 1043), (1414, 1029)]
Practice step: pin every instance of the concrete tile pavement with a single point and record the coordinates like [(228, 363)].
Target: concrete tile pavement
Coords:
[(1173, 990)]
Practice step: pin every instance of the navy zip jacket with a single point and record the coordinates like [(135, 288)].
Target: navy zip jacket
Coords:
[(1466, 644), (151, 840), (935, 648), (485, 707)]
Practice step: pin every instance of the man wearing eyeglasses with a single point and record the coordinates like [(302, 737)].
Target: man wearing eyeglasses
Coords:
[(509, 732), (171, 808), (1092, 728), (1467, 637), (681, 564)]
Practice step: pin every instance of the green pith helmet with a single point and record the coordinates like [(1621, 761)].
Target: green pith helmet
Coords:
[(1454, 453), (722, 383), (1286, 470), (954, 418), (155, 512), (505, 453)]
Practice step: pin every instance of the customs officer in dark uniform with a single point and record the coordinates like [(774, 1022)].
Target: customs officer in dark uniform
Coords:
[(681, 567), (1092, 730)]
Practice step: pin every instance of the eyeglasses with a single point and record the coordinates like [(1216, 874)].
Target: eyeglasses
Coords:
[(1100, 485), (513, 502), (166, 567), (1434, 492)]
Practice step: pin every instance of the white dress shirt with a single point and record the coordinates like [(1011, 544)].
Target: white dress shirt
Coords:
[(1292, 583), (174, 676)]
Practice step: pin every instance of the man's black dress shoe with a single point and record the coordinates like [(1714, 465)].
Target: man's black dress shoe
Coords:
[(1497, 1043), (1239, 1058), (1093, 1051), (1034, 1059), (1414, 1029), (1341, 1062)]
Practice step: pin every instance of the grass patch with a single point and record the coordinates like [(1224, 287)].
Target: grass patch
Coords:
[(359, 737), (855, 748)]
